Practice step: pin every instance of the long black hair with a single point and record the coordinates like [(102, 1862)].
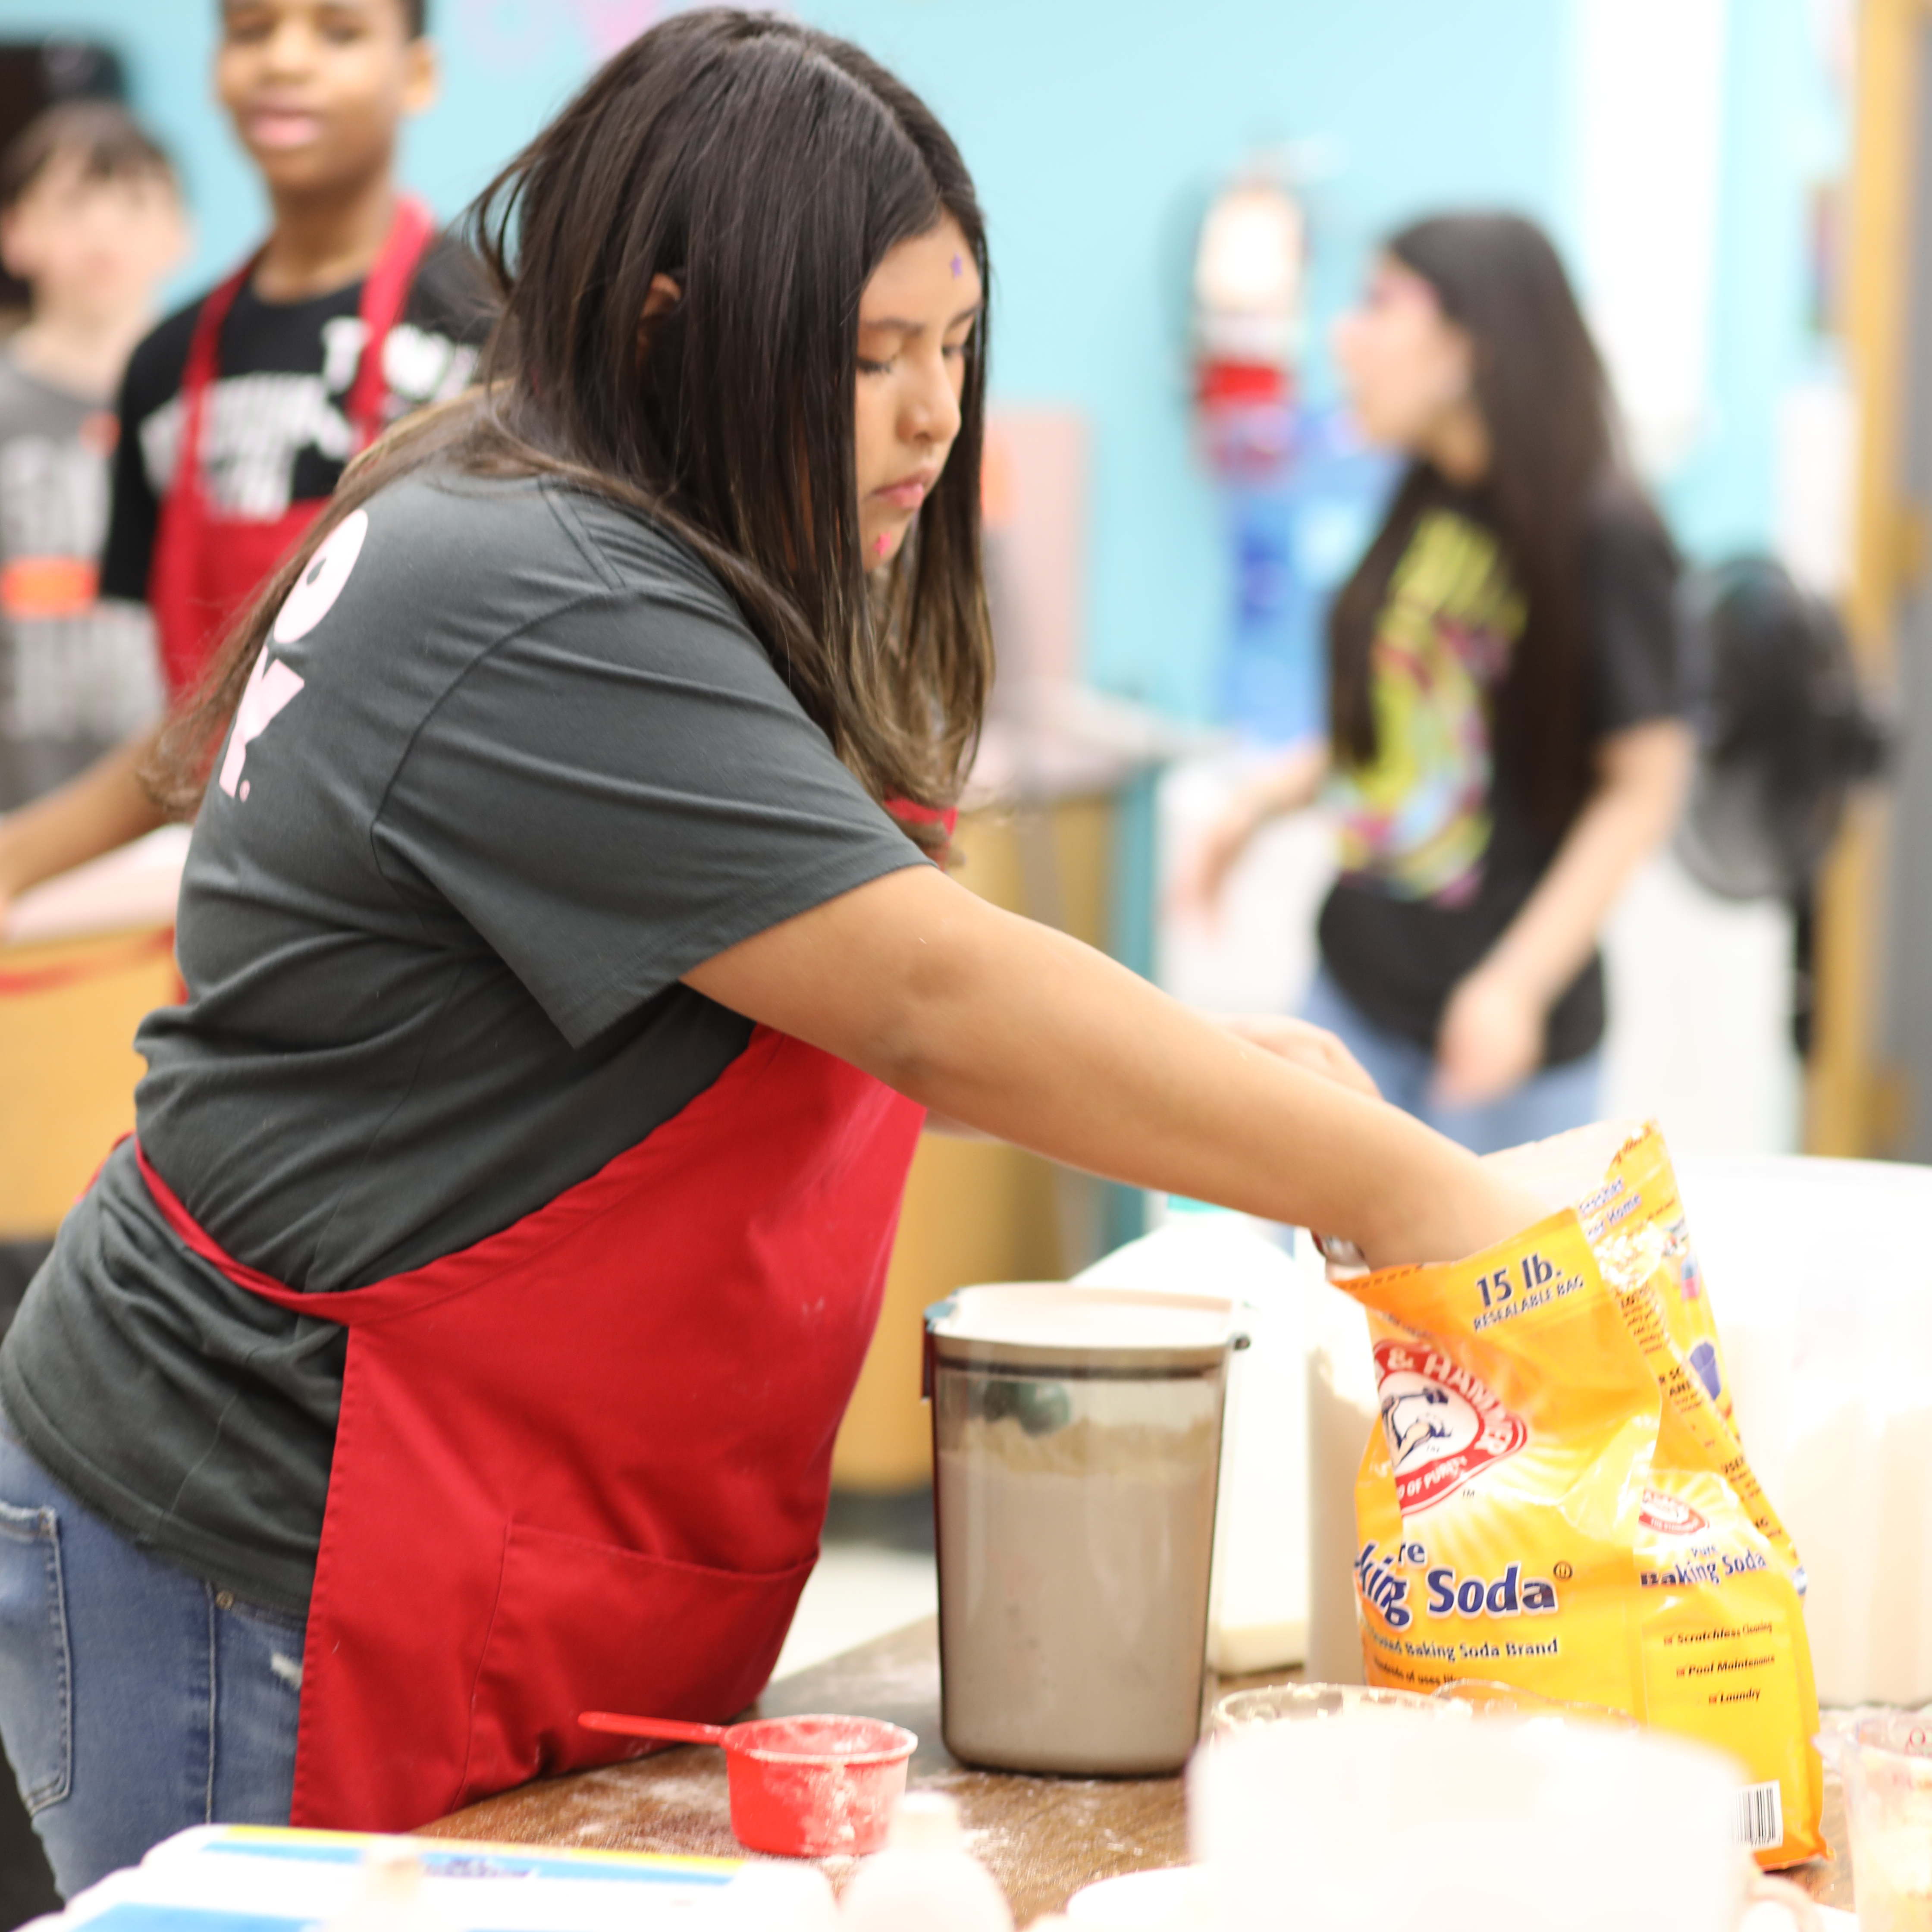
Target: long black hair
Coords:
[(766, 169), (1541, 391)]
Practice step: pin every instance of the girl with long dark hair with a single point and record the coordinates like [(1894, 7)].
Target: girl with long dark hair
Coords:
[(1505, 744), (459, 1342)]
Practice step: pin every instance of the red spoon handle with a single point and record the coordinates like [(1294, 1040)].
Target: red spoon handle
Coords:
[(669, 1729)]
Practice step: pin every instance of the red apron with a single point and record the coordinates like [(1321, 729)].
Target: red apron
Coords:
[(585, 1463), (207, 566)]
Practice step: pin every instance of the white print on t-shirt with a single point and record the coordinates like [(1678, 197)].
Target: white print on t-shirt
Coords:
[(272, 685), (420, 366), (270, 688), (91, 676), (53, 498), (343, 337), (254, 429), (256, 426), (70, 667), (321, 584)]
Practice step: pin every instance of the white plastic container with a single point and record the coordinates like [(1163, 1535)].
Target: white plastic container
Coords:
[(1819, 1276), (925, 1880), (1077, 1436), (1259, 1601), (1343, 1407), (776, 1895), (259, 1875), (1479, 1827)]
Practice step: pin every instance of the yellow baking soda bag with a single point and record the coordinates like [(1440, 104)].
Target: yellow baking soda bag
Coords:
[(1554, 1501), (1637, 1190)]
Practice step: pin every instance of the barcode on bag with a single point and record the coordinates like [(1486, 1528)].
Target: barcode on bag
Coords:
[(1760, 1825)]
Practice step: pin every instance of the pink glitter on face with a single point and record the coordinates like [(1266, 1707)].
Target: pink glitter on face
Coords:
[(958, 266), (882, 543)]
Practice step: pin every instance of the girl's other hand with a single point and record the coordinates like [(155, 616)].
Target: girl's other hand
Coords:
[(1291, 783), (1490, 1041), (1201, 875), (1307, 1045)]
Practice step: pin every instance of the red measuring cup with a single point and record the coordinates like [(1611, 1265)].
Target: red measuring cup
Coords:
[(803, 1787)]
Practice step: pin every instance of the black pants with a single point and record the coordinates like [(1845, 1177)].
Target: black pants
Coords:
[(26, 1886)]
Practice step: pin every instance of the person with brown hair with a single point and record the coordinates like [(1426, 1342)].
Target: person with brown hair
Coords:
[(461, 1341), (1505, 741), (90, 220)]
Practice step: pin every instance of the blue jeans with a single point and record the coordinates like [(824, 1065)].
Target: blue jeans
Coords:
[(1549, 1102), (135, 1700)]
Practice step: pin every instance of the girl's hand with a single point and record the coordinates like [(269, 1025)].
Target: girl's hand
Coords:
[(1307, 1045), (1491, 1039), (1478, 1211), (1291, 783), (1199, 879)]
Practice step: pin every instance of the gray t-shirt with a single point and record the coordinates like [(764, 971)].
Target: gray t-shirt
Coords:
[(504, 772), (77, 673)]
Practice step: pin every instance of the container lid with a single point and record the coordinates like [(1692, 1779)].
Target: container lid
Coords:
[(1066, 1329)]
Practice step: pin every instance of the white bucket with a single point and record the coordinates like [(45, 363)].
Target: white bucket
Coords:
[(1820, 1277), (1258, 1609), (1348, 1825)]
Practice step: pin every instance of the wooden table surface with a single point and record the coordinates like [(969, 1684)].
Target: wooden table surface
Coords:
[(1042, 1837)]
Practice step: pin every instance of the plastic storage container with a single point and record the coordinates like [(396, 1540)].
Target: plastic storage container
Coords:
[(1077, 1451), (1886, 1761), (1463, 1827), (1817, 1274), (1257, 1611), (1314, 1704)]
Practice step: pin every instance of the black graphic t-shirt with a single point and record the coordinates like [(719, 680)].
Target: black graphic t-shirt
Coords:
[(275, 431), (1438, 853)]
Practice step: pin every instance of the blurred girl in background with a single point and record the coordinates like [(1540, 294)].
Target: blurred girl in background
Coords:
[(91, 222), (1504, 743)]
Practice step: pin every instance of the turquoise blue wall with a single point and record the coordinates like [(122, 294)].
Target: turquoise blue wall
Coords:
[(507, 65), (1785, 133), (1096, 133), (1095, 152)]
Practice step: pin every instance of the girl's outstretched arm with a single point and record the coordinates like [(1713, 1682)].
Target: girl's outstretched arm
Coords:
[(1028, 1035)]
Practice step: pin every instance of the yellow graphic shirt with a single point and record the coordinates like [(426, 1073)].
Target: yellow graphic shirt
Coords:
[(1418, 820)]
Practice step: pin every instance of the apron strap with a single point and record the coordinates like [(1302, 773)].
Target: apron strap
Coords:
[(386, 294), (198, 1241), (198, 375), (347, 1307)]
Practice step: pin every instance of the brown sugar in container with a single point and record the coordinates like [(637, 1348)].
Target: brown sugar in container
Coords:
[(1077, 1453)]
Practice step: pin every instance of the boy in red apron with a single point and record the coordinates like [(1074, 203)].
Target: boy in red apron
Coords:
[(238, 413)]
